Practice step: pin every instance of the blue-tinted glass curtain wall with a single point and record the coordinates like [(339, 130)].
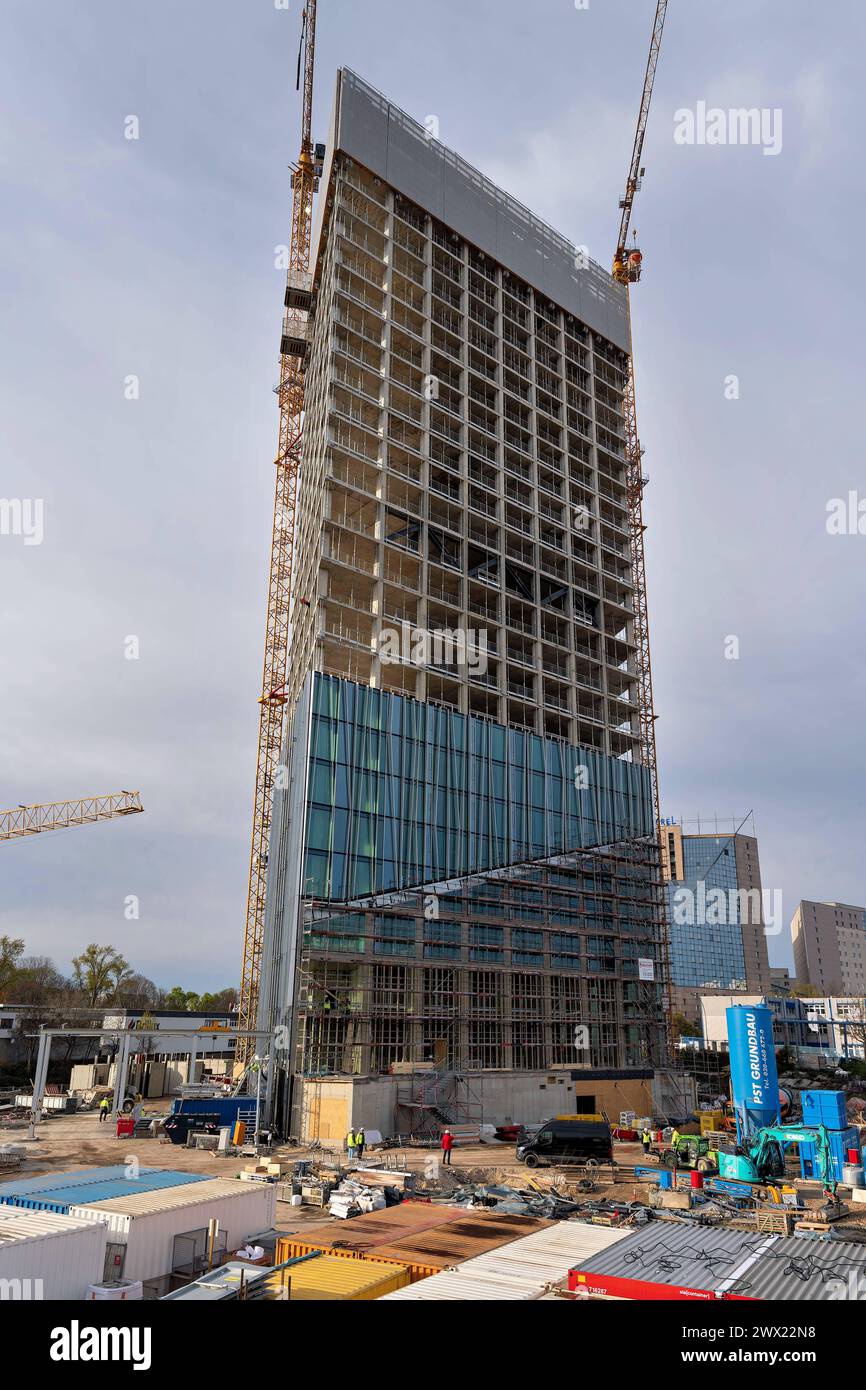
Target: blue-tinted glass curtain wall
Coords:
[(403, 793)]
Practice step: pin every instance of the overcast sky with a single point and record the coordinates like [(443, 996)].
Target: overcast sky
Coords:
[(154, 258)]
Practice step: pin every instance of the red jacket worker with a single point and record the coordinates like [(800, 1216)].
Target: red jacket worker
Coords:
[(447, 1146)]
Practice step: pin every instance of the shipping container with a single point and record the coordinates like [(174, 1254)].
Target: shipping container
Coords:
[(669, 1260), (523, 1268), (840, 1140), (361, 1234), (147, 1224), (226, 1108), (47, 1255), (293, 1247), (824, 1108), (60, 1191), (475, 1233), (425, 1238), (451, 1285), (330, 1279), (219, 1285)]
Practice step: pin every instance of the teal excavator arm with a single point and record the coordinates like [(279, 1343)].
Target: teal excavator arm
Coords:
[(792, 1134)]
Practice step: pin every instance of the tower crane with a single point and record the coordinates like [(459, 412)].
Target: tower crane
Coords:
[(59, 815), (272, 702), (626, 271)]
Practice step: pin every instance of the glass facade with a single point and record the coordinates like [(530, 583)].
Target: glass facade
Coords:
[(706, 939), (403, 793), (458, 900)]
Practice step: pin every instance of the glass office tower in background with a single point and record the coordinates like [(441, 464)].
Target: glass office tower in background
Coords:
[(718, 941)]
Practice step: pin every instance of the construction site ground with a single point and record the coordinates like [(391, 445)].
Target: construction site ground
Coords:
[(79, 1140)]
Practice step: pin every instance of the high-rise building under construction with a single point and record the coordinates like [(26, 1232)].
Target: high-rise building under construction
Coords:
[(464, 908)]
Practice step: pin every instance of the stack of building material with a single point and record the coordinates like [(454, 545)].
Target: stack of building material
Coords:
[(522, 1269), (351, 1198), (60, 1191), (384, 1177), (47, 1255)]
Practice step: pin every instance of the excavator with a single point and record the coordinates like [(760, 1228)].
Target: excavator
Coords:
[(761, 1157)]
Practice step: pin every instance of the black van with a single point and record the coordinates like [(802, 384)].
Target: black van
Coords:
[(563, 1141)]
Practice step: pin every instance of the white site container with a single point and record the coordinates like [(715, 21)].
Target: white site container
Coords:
[(148, 1222), (66, 1253), (522, 1269), (452, 1286)]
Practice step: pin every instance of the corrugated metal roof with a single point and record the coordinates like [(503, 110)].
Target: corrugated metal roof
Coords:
[(676, 1255), (328, 1278), (454, 1286), (545, 1257), (361, 1233), (17, 1224), (801, 1269), (520, 1269), (58, 1192), (143, 1203)]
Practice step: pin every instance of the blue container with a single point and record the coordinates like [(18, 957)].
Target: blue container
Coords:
[(754, 1078), (841, 1140), (225, 1107), (666, 1177), (60, 1191), (824, 1108)]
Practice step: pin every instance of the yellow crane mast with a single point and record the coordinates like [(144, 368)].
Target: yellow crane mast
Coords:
[(59, 815), (626, 270), (305, 181)]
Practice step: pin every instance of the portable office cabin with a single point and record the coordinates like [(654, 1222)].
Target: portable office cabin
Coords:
[(146, 1225), (47, 1255)]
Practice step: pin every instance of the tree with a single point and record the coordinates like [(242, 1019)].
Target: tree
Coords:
[(852, 1016), (222, 1003), (138, 992), (682, 1027), (99, 971), (184, 1000), (805, 991), (11, 949), (39, 981)]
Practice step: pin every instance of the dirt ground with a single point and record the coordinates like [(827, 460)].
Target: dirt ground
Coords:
[(72, 1141)]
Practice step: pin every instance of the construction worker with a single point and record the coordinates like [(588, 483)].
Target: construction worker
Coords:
[(447, 1146), (104, 1109), (360, 1141), (646, 1139), (350, 1145), (675, 1141)]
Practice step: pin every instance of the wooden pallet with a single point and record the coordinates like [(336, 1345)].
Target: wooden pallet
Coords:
[(774, 1221)]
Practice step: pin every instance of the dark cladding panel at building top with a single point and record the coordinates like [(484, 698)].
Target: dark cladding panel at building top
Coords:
[(414, 166), (362, 124), (471, 206), (399, 150)]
